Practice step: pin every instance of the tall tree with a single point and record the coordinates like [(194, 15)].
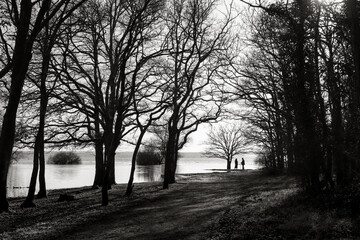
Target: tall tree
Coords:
[(146, 114), (105, 67), (29, 18), (198, 46), (352, 163), (308, 47), (46, 43), (299, 33)]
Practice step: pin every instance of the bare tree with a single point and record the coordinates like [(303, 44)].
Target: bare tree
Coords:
[(29, 18), (226, 142), (198, 45), (106, 65), (46, 42), (353, 16), (145, 117), (304, 88)]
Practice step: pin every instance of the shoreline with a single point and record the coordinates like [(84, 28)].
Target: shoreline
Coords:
[(90, 186)]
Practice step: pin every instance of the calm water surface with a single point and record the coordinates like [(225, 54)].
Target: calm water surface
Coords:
[(67, 176)]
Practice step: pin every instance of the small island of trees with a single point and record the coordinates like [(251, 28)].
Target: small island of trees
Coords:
[(64, 158)]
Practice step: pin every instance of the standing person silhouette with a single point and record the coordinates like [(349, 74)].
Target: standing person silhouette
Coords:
[(243, 163), (236, 163)]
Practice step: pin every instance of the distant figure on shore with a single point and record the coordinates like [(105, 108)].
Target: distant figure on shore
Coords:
[(243, 163), (236, 163)]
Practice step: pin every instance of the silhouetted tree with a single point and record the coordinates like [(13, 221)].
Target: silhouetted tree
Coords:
[(303, 86), (197, 44), (46, 42), (226, 142), (105, 66), (29, 19)]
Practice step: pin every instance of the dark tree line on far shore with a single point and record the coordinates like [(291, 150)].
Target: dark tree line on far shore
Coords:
[(98, 73)]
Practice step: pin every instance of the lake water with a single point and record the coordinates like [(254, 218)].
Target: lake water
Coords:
[(68, 176)]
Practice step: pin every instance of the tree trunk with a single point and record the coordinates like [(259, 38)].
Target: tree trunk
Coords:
[(338, 138), (8, 129), (44, 98), (353, 7), (337, 130), (21, 59), (170, 159), (42, 184), (133, 163), (228, 164), (110, 159), (287, 102), (39, 150), (290, 152), (31, 193), (99, 164), (112, 174), (308, 144), (176, 155), (99, 141)]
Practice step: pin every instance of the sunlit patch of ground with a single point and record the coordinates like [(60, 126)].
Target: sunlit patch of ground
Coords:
[(228, 205)]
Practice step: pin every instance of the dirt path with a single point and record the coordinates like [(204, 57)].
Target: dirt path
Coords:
[(186, 213), (236, 205), (198, 206)]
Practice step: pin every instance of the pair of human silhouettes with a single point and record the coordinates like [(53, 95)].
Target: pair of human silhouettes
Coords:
[(242, 163)]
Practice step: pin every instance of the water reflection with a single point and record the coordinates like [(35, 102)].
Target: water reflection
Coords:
[(18, 179), (148, 173), (69, 176)]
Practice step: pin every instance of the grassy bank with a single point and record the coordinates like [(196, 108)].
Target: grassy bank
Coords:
[(234, 205)]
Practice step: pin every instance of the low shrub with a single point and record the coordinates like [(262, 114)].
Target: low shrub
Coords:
[(63, 158), (148, 158)]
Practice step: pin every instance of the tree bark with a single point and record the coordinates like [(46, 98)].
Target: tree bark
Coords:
[(99, 164), (170, 158), (21, 60), (176, 155), (228, 164), (110, 159)]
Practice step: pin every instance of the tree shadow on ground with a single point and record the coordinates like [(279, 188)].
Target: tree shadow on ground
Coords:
[(281, 213)]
